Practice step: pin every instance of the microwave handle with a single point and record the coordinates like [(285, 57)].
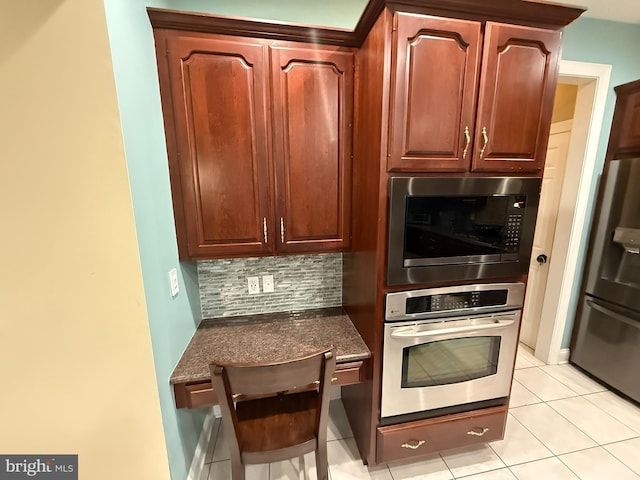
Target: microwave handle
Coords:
[(411, 333)]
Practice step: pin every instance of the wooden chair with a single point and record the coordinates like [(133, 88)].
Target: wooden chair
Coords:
[(276, 411)]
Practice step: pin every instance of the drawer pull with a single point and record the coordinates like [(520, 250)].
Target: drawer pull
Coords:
[(334, 379), (478, 431), (413, 447)]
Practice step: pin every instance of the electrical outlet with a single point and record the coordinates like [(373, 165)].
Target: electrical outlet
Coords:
[(254, 284), (173, 281), (267, 283)]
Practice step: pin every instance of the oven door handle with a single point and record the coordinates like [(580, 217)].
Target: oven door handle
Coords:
[(411, 332)]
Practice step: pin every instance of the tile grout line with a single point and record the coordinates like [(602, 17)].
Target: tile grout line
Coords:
[(598, 444), (506, 466), (620, 460), (603, 412)]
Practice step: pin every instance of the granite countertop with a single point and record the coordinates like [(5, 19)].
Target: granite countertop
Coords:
[(268, 338)]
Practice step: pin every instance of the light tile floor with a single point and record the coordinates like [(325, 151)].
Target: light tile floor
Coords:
[(562, 425)]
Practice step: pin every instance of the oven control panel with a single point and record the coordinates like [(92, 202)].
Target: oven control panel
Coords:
[(456, 301), (437, 302)]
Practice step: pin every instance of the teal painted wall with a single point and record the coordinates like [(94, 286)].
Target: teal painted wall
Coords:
[(614, 43), (174, 320)]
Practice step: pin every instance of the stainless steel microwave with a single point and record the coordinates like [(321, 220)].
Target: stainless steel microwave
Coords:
[(460, 228)]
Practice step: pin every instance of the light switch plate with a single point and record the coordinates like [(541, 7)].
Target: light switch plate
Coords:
[(173, 281)]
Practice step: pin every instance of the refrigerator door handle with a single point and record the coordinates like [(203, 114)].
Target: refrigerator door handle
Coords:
[(609, 313)]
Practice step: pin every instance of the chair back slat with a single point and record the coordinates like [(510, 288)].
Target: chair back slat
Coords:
[(277, 377)]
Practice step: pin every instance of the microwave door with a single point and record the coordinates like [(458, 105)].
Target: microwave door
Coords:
[(436, 246), (453, 229)]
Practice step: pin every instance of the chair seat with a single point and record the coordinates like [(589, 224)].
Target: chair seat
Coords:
[(277, 422)]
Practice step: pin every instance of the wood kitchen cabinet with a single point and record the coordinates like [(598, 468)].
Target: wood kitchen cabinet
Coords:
[(259, 143), (432, 111), (467, 99), (515, 100), (411, 439), (312, 113), (624, 141), (215, 106), (425, 71), (259, 128)]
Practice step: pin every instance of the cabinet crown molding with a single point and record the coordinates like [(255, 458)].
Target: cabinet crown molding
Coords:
[(522, 12), (248, 27)]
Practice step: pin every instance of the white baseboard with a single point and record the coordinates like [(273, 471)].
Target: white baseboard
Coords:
[(563, 355), (197, 463)]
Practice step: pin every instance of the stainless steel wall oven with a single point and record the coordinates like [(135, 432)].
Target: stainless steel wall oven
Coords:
[(465, 228), (448, 350)]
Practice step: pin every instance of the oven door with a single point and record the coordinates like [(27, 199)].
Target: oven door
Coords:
[(430, 365)]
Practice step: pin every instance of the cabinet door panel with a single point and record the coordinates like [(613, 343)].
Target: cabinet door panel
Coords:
[(312, 111), (433, 98), (630, 126), (219, 104), (515, 103)]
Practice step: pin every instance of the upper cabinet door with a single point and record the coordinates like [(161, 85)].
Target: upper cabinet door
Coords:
[(220, 162), (624, 141), (433, 96), (630, 130), (515, 102), (312, 91)]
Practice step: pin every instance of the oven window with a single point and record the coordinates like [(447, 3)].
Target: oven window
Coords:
[(450, 361)]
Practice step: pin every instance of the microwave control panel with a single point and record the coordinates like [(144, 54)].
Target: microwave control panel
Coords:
[(514, 226)]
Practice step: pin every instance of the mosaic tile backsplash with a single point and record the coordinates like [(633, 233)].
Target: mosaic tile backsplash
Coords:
[(301, 282)]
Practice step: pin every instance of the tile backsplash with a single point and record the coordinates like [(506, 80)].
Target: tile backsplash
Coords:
[(301, 282)]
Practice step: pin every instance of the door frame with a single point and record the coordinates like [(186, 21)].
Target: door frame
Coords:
[(592, 80), (534, 299)]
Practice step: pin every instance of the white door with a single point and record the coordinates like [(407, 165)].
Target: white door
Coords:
[(541, 253)]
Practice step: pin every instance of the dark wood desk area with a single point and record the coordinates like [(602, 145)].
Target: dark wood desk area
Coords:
[(266, 337)]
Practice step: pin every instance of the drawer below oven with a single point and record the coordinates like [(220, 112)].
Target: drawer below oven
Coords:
[(412, 439)]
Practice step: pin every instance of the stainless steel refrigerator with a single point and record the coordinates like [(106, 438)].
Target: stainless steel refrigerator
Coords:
[(606, 335)]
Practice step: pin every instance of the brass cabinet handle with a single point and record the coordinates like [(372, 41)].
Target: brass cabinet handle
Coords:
[(467, 136), (478, 431), (282, 229), (485, 137), (264, 228), (415, 446)]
